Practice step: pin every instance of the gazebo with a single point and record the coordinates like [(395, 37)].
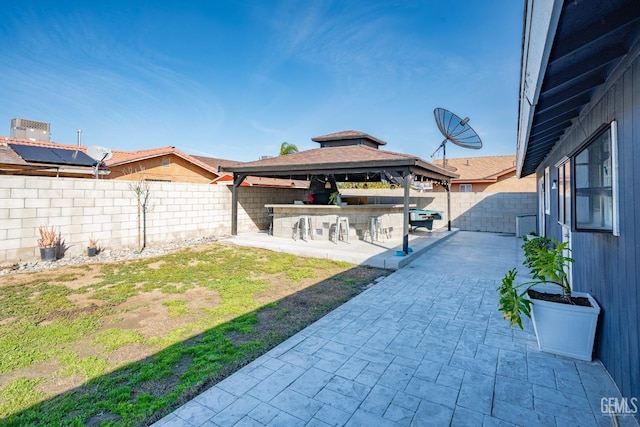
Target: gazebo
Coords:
[(344, 156)]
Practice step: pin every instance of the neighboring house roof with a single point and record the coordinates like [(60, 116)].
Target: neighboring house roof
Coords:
[(570, 49), (215, 162), (120, 157), (485, 169), (17, 157), (123, 157), (8, 156), (347, 134)]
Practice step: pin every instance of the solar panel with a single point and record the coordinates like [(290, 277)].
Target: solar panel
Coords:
[(35, 154), (52, 155), (74, 157)]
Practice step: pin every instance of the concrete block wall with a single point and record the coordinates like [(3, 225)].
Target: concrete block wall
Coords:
[(252, 215), (489, 212), (108, 210)]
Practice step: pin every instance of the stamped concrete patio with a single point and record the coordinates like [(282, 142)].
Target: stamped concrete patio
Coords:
[(424, 346)]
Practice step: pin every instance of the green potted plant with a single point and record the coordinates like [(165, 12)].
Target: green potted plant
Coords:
[(92, 248), (564, 321), (48, 241)]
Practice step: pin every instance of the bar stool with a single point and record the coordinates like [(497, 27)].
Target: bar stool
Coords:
[(376, 230), (270, 216), (342, 229), (302, 228)]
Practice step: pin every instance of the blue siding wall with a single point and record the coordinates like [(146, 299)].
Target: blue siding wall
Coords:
[(607, 266)]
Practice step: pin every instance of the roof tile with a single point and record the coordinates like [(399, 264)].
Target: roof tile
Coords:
[(480, 168)]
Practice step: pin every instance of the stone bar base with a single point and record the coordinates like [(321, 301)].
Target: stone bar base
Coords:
[(324, 217)]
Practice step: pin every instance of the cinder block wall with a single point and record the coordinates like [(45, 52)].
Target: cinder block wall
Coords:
[(490, 212), (108, 210)]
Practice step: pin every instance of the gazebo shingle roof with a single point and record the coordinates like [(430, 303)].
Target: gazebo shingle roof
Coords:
[(347, 134), (339, 160)]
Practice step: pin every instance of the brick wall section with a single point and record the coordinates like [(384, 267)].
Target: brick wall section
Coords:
[(107, 209)]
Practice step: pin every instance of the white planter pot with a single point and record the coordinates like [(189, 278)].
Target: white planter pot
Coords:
[(566, 330)]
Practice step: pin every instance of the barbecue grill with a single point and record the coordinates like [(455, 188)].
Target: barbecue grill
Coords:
[(423, 218)]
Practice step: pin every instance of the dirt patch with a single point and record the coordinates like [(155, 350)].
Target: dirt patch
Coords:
[(148, 314), (156, 265), (68, 315)]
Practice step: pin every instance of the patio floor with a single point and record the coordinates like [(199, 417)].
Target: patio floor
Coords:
[(380, 253), (424, 346)]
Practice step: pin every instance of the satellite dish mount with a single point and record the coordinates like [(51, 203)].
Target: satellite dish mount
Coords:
[(456, 130), (100, 155)]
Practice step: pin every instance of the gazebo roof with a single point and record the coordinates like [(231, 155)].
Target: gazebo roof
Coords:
[(347, 134), (341, 161)]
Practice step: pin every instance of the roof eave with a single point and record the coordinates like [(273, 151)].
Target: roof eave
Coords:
[(541, 17)]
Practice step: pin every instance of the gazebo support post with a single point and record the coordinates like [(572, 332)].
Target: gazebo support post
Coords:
[(446, 186), (237, 180), (405, 223)]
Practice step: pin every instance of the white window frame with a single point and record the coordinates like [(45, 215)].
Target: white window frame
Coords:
[(614, 177), (166, 162), (565, 186), (465, 188), (547, 192), (615, 218)]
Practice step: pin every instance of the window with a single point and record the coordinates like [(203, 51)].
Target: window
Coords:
[(596, 183), (465, 188), (166, 162), (547, 192), (564, 193)]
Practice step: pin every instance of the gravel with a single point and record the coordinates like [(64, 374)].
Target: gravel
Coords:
[(105, 255)]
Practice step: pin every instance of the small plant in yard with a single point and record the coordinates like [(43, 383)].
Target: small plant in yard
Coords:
[(48, 237), (547, 264), (93, 242)]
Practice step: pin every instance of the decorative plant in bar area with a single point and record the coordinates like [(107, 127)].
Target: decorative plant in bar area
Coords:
[(334, 198)]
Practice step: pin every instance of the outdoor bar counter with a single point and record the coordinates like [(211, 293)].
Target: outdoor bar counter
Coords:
[(324, 219)]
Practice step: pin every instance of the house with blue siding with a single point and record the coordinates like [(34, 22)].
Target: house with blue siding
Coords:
[(579, 135)]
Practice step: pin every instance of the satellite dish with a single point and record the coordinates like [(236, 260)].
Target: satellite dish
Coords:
[(456, 130), (99, 153)]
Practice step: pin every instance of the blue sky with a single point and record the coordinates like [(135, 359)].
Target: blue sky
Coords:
[(234, 79)]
